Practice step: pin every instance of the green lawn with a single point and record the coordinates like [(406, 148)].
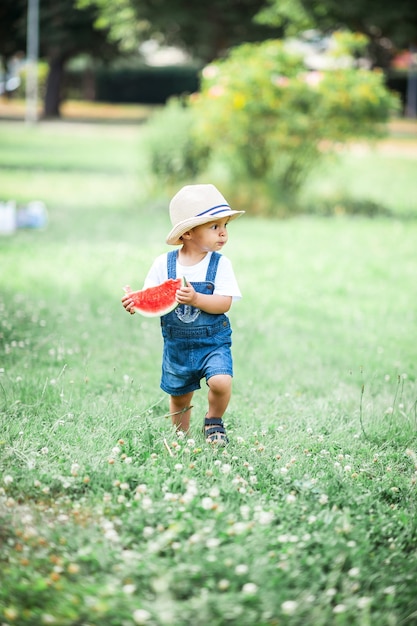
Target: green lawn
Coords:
[(309, 516)]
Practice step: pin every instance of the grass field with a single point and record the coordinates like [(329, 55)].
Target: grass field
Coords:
[(309, 516)]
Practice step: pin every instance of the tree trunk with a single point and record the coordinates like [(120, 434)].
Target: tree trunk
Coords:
[(52, 100)]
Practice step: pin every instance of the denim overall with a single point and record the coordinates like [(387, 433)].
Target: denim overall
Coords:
[(196, 344)]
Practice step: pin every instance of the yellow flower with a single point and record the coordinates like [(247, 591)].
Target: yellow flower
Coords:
[(239, 101)]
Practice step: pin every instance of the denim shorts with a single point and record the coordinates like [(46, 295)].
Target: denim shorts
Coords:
[(187, 359)]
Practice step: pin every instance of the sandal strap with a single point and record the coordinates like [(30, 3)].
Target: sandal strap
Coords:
[(213, 421), (215, 430)]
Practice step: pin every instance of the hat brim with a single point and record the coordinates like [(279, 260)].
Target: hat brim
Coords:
[(174, 237)]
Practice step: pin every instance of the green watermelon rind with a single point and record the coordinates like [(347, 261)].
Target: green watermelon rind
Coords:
[(146, 300)]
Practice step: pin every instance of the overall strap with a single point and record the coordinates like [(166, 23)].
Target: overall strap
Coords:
[(212, 267), (172, 263)]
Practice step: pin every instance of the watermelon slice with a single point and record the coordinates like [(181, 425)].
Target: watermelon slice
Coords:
[(156, 301)]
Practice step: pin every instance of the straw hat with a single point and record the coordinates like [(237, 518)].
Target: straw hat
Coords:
[(194, 205)]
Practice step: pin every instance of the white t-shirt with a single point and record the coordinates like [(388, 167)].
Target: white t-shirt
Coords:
[(225, 283)]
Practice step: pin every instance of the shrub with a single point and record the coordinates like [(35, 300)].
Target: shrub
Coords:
[(268, 118), (174, 150)]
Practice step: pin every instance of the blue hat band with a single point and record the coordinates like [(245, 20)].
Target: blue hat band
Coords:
[(215, 210)]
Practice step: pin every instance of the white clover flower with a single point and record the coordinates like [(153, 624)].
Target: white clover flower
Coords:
[(324, 498), (289, 607), (146, 503), (178, 467), (170, 497), (354, 572), (265, 517), (363, 602), (291, 498), (238, 528), (141, 616), (128, 460), (339, 608), (74, 469), (250, 589), (148, 531), (7, 479), (207, 503), (245, 511), (284, 470), (226, 468), (129, 589), (112, 535), (141, 489), (44, 450), (241, 569), (223, 584), (214, 492), (212, 542), (124, 486), (116, 450)]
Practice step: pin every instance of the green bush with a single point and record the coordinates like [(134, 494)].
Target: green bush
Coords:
[(269, 119), (174, 150)]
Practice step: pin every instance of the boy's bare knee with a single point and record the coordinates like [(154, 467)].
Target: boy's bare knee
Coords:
[(221, 383)]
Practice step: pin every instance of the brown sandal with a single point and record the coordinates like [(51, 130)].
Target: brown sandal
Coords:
[(216, 434)]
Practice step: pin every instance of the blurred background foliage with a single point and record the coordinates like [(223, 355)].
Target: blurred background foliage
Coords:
[(81, 37), (254, 92)]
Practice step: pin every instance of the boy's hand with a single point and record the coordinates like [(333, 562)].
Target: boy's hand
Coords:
[(187, 295), (127, 300)]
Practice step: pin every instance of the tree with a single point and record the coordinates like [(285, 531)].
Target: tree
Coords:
[(65, 31), (12, 30), (388, 25), (205, 29)]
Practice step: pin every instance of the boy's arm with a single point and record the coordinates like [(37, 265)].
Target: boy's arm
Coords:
[(209, 303)]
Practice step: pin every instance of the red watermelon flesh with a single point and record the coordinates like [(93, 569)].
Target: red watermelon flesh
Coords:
[(157, 301)]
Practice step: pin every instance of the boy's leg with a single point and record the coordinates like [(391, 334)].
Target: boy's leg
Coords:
[(181, 418), (220, 391)]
